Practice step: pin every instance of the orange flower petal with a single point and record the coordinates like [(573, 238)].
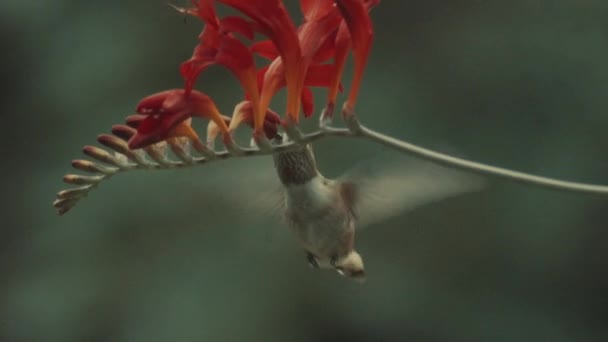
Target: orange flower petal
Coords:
[(341, 47), (273, 20), (355, 13), (243, 113), (308, 102), (183, 130), (213, 130)]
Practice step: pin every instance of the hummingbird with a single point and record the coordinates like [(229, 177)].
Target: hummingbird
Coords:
[(324, 213)]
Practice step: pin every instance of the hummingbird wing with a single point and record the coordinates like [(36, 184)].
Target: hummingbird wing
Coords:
[(377, 191), (249, 186), (261, 193)]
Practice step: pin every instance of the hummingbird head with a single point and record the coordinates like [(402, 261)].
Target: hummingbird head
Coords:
[(296, 167), (351, 265)]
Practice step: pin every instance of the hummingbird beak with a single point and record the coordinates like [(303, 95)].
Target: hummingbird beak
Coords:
[(358, 276)]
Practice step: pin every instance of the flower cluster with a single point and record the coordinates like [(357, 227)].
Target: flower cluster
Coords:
[(311, 55)]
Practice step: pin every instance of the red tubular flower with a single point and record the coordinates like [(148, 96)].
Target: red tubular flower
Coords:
[(218, 46), (164, 114), (315, 37), (355, 13), (272, 20), (315, 9), (322, 21), (266, 49), (340, 47), (330, 31), (244, 113), (317, 75)]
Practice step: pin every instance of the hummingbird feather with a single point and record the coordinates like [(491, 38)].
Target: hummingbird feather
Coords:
[(379, 190)]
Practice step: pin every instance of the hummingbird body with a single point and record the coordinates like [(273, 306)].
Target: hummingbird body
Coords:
[(320, 212), (324, 212)]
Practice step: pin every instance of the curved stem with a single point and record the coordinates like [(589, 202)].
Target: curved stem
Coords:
[(119, 161), (463, 164), (360, 131)]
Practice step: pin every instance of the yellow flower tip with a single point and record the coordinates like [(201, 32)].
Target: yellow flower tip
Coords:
[(243, 112), (213, 130), (348, 109)]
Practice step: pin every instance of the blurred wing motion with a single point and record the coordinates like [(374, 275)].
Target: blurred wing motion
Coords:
[(256, 194), (381, 190)]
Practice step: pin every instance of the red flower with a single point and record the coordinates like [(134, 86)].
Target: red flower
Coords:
[(317, 75), (219, 46), (299, 59), (162, 115), (355, 13), (330, 31), (272, 20)]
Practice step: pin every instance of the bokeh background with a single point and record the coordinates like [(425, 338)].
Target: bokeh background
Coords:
[(174, 256)]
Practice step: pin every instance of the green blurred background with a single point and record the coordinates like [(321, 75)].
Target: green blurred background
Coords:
[(173, 256)]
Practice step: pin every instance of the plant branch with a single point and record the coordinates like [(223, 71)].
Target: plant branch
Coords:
[(193, 153), (484, 169), (450, 161)]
